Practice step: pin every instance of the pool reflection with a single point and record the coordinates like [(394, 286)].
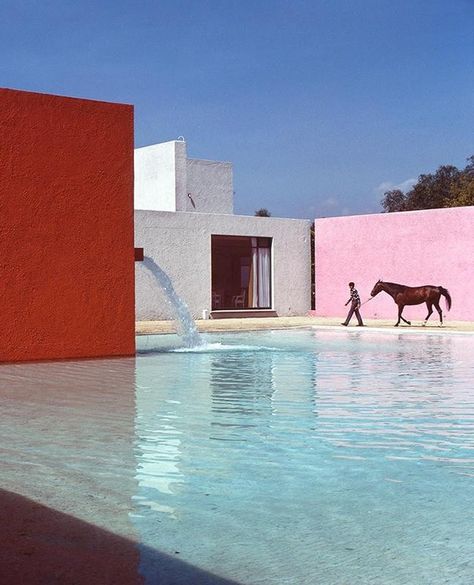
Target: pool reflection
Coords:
[(68, 473), (343, 442)]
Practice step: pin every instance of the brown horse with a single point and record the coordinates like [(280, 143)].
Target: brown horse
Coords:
[(413, 295)]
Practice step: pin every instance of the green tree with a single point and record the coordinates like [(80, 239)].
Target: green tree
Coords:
[(263, 212), (462, 193), (394, 200), (433, 190), (447, 187)]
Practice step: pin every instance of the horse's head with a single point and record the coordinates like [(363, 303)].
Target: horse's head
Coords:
[(377, 288)]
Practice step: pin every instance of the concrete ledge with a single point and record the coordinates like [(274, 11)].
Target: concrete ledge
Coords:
[(244, 314), (255, 324)]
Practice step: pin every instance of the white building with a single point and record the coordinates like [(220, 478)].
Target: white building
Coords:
[(220, 264)]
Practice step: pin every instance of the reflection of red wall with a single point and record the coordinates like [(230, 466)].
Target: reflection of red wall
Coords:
[(66, 227)]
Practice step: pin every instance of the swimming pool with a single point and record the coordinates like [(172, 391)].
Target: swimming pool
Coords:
[(310, 457), (274, 458)]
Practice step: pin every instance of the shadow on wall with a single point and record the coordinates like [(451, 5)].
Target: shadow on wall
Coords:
[(41, 546)]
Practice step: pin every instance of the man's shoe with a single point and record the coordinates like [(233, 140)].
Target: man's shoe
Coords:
[(345, 324), (361, 325)]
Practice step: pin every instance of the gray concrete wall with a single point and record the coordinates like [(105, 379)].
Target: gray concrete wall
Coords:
[(209, 184), (181, 176), (180, 243)]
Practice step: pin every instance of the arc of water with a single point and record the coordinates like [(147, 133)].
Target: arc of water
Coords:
[(186, 327)]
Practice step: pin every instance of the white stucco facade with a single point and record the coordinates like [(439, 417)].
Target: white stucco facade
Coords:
[(180, 204), (156, 176), (209, 186), (180, 243), (167, 180)]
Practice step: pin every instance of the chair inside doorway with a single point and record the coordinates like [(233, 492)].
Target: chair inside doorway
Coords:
[(241, 273)]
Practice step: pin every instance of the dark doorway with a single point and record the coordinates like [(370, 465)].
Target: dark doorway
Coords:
[(241, 273)]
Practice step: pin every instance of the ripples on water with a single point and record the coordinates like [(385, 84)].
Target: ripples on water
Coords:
[(310, 457), (275, 458)]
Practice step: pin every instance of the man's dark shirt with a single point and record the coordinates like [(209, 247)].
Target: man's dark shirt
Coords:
[(355, 298)]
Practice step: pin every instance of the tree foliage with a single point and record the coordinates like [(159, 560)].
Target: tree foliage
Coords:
[(263, 212), (447, 187)]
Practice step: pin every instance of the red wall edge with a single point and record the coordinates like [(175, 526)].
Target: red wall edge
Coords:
[(66, 227)]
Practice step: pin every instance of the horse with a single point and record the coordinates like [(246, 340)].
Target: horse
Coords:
[(414, 295)]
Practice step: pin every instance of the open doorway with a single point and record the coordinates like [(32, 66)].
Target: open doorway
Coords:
[(241, 273)]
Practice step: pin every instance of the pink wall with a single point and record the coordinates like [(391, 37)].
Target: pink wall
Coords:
[(414, 248)]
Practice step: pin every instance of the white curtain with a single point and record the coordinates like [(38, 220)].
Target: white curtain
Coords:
[(263, 277), (253, 289)]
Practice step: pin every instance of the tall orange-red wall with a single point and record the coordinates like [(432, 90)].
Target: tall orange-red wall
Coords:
[(66, 228)]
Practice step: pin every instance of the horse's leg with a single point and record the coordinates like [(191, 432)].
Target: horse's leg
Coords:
[(430, 310), (401, 307), (438, 308)]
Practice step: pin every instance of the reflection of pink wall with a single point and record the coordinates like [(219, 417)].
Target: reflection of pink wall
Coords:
[(413, 248)]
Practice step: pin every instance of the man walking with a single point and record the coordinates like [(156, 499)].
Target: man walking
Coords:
[(354, 300)]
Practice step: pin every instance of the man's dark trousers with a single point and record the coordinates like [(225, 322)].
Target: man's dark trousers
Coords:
[(354, 309)]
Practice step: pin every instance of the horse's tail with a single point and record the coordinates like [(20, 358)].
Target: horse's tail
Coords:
[(445, 293)]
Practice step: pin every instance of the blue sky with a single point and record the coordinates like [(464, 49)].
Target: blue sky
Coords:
[(320, 105)]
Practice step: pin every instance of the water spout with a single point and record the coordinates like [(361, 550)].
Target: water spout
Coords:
[(186, 327)]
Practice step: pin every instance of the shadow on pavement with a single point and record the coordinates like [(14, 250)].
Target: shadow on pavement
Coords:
[(41, 546)]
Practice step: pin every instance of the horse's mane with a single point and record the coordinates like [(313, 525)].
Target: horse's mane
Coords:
[(394, 284), (407, 285)]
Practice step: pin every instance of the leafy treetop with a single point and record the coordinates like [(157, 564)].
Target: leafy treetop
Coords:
[(262, 212), (447, 187)]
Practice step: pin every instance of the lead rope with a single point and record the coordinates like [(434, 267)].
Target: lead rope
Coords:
[(369, 299)]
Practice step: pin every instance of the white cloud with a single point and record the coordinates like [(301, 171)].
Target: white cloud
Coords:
[(389, 186), (330, 202)]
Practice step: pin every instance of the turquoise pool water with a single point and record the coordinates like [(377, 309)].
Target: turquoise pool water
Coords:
[(302, 457), (307, 457)]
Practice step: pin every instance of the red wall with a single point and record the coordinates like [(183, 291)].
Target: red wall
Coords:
[(66, 227)]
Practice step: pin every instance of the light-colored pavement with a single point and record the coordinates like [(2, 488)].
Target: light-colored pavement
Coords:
[(255, 324)]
